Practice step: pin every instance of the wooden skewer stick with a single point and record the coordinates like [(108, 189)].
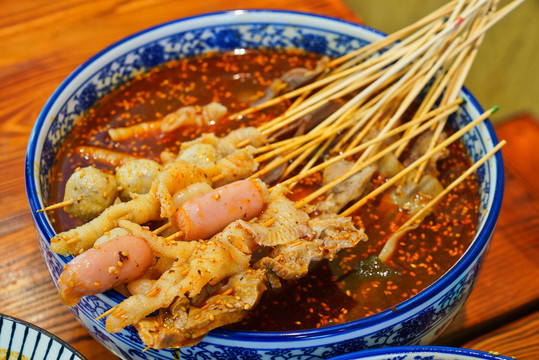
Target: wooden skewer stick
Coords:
[(389, 245), (365, 117), (448, 29), (427, 103), (351, 152), (327, 134), (319, 83), (297, 102), (451, 93), (311, 161), (65, 203), (416, 163), (428, 44), (57, 206), (336, 91), (304, 144), (175, 236), (273, 146), (297, 142), (106, 313), (269, 222), (359, 166), (162, 228), (352, 83), (455, 183), (218, 177), (361, 147), (469, 11), (426, 47), (308, 150), (396, 36), (492, 20), (409, 98), (435, 91), (307, 88), (350, 79)]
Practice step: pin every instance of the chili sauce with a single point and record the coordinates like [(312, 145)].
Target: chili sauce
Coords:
[(334, 291)]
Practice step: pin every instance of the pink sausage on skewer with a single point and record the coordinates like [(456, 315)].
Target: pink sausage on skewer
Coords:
[(205, 215), (114, 262)]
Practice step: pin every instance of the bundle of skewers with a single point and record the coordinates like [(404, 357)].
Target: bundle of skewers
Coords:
[(345, 121)]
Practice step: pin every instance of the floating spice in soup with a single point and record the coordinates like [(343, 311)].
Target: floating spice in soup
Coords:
[(350, 286)]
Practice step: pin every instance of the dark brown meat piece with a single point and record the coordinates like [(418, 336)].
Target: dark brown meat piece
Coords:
[(184, 324), (330, 234)]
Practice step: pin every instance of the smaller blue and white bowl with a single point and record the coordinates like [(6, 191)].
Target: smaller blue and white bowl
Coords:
[(420, 353), (19, 338)]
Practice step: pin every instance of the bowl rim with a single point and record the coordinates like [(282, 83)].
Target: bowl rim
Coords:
[(42, 331), (430, 349), (472, 253)]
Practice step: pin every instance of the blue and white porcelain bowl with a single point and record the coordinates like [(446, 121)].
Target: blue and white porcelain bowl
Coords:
[(416, 321), (19, 338), (420, 353)]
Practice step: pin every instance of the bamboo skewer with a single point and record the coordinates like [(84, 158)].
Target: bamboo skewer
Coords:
[(455, 183), (57, 206), (386, 251), (358, 167), (415, 90), (302, 145), (396, 36), (162, 228), (347, 85), (106, 313), (66, 203), (416, 163), (311, 161), (301, 109), (470, 11), (451, 93), (177, 235), (361, 147), (372, 69)]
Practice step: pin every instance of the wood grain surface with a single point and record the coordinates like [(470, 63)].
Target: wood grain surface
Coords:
[(518, 339), (41, 42), (507, 286)]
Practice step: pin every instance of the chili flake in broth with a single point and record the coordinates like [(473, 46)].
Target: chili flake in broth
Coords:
[(330, 293)]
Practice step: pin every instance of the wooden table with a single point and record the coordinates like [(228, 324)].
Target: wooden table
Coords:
[(41, 42)]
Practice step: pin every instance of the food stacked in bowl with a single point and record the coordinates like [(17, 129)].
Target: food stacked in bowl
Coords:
[(268, 184)]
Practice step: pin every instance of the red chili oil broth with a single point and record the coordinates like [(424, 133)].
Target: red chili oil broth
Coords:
[(325, 296)]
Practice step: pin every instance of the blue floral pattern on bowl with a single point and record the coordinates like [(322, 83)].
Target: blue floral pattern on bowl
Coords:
[(420, 353), (416, 321)]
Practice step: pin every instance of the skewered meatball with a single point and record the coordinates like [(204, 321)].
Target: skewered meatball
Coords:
[(91, 191), (136, 177)]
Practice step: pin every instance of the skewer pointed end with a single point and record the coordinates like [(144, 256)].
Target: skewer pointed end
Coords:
[(108, 312)]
